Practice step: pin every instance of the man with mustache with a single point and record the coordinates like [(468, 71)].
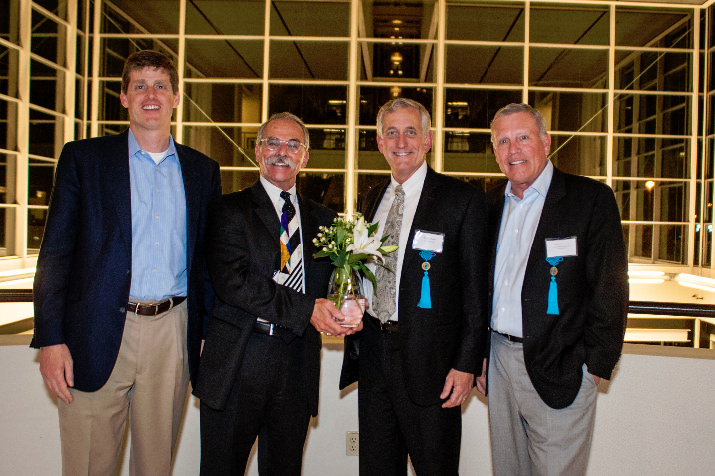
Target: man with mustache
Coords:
[(260, 368), (121, 289), (559, 302)]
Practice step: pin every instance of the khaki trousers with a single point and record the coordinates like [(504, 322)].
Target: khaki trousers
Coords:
[(148, 385), (528, 437)]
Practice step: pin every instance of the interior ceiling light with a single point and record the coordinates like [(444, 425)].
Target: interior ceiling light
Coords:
[(649, 185), (697, 282)]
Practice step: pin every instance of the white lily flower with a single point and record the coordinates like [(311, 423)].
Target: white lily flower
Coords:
[(362, 243)]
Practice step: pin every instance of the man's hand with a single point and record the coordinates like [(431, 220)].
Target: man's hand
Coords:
[(57, 370), (459, 384), (327, 318), (482, 379)]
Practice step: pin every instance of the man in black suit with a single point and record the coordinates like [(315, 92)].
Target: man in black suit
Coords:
[(121, 289), (422, 341), (260, 367), (559, 302)]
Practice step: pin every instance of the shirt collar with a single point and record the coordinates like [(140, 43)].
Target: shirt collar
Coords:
[(540, 185), (274, 193), (134, 146), (414, 183)]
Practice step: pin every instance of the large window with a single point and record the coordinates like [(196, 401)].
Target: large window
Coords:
[(627, 88)]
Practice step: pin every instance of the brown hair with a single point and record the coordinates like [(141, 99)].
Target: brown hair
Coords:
[(149, 59)]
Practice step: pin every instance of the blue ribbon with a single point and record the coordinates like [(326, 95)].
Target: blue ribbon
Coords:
[(553, 307), (425, 299)]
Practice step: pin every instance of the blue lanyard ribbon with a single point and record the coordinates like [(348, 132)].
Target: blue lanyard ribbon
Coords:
[(425, 299), (553, 307)]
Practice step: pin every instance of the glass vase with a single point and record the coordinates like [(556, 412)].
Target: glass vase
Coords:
[(345, 290)]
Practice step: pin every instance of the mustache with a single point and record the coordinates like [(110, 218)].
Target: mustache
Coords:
[(280, 160)]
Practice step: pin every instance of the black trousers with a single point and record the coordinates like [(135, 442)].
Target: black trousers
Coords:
[(391, 425), (269, 401)]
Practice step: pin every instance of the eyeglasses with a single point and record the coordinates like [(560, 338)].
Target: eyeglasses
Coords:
[(274, 144)]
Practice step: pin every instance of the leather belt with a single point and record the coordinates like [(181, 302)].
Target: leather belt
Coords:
[(510, 338), (388, 327), (267, 328), (154, 309)]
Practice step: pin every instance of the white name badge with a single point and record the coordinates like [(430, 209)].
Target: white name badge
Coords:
[(561, 247), (428, 241)]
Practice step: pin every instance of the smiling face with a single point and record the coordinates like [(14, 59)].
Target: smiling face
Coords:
[(281, 167), (520, 152), (149, 100), (403, 143)]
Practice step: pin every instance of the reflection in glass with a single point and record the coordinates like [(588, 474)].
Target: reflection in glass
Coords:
[(475, 108), (572, 111), (227, 145), (407, 19), (581, 155), (224, 59), (307, 60), (209, 17), (327, 148), (569, 24), (48, 39), (326, 189), (46, 87), (484, 64), (313, 104), (638, 26), (397, 61), (222, 102), (46, 134), (554, 67), (298, 18), (469, 152), (233, 180), (487, 21), (110, 106), (373, 97)]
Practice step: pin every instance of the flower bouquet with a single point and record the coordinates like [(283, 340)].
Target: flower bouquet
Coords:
[(350, 243)]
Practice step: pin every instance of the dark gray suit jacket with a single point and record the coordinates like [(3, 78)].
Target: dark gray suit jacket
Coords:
[(592, 287), (84, 268), (243, 251), (453, 333)]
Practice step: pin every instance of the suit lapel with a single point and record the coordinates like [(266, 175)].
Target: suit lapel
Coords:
[(424, 214), (266, 212), (192, 192), (116, 178), (549, 223), (308, 230)]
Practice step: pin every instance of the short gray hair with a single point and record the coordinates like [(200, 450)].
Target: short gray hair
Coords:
[(290, 117), (514, 108), (402, 103)]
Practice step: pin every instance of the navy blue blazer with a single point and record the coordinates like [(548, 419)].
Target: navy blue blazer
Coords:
[(84, 267), (592, 287), (243, 252), (453, 333)]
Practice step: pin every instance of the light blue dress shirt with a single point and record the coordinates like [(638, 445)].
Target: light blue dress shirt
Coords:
[(519, 221), (159, 263)]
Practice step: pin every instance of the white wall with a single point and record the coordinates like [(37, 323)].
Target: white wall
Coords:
[(655, 418)]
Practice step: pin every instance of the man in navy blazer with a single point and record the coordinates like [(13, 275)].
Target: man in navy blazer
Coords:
[(417, 357), (121, 288), (559, 302)]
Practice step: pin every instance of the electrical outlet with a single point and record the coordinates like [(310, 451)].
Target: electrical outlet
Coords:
[(352, 443)]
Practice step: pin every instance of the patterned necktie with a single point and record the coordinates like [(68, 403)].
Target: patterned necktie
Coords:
[(291, 247), (387, 279)]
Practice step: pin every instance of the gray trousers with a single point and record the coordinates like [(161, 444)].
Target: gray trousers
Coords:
[(527, 436)]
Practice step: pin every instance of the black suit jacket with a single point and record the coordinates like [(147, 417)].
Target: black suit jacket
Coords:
[(83, 274), (243, 251), (592, 287), (453, 333)]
